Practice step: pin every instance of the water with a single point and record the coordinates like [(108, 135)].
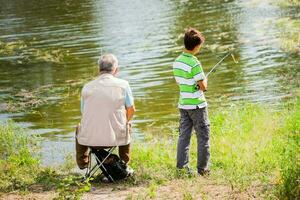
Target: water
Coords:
[(146, 36)]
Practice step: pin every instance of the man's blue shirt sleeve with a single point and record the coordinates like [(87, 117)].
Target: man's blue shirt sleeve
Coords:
[(81, 104), (129, 101)]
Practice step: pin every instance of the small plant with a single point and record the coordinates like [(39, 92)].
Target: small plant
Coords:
[(48, 178), (187, 196), (72, 188), (289, 185), (18, 166), (152, 190), (68, 164)]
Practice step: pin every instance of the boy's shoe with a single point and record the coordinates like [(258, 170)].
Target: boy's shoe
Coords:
[(189, 171), (204, 172), (185, 171)]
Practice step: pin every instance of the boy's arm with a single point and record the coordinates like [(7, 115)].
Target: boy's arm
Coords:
[(199, 77), (202, 84)]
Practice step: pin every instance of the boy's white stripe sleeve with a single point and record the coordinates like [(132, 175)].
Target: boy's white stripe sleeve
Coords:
[(199, 77), (182, 66), (185, 81), (198, 94)]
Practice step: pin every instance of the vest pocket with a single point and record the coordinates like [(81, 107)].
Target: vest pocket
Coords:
[(119, 125)]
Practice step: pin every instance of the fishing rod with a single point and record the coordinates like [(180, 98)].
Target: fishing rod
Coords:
[(218, 63)]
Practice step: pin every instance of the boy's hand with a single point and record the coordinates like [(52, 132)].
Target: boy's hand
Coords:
[(202, 84)]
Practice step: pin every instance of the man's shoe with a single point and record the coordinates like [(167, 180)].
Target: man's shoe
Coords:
[(129, 171), (104, 179)]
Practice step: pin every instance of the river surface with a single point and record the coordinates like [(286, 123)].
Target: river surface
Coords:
[(55, 46)]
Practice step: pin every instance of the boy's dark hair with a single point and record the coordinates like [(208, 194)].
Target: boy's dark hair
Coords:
[(192, 38)]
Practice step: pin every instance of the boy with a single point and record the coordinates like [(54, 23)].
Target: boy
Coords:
[(192, 105)]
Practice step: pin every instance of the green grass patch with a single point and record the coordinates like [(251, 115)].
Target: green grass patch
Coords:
[(250, 144), (289, 182), (17, 165), (20, 168), (245, 144)]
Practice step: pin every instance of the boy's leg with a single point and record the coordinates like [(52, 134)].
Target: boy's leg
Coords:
[(202, 128), (183, 145)]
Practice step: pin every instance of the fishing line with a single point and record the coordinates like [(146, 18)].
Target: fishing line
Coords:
[(213, 69)]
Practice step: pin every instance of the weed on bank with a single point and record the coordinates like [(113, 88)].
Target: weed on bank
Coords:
[(250, 144)]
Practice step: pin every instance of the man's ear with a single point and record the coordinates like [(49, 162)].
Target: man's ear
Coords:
[(116, 70)]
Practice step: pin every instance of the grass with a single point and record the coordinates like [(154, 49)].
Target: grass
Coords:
[(17, 165), (251, 145), (289, 186), (243, 144), (20, 168)]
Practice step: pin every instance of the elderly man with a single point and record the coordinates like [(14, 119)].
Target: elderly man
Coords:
[(107, 108)]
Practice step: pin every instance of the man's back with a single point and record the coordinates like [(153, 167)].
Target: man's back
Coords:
[(104, 120)]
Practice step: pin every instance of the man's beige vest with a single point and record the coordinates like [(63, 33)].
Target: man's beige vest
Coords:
[(103, 121)]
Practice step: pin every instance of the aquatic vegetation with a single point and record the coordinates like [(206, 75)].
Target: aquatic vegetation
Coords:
[(10, 48), (289, 34), (25, 52), (287, 3), (25, 100), (253, 3), (289, 28), (219, 48), (55, 56), (28, 100)]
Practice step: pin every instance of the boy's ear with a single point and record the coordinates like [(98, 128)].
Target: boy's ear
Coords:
[(198, 47)]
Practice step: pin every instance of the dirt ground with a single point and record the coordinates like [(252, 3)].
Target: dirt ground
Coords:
[(201, 188)]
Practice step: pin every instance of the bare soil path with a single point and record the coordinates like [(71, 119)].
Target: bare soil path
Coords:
[(201, 188)]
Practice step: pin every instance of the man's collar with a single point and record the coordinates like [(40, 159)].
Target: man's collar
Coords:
[(106, 75)]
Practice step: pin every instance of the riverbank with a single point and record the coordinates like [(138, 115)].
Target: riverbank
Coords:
[(254, 155)]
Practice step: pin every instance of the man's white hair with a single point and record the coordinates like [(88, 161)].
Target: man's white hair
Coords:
[(107, 63)]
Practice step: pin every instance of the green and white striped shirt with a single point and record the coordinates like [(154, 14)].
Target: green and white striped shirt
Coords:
[(187, 71)]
